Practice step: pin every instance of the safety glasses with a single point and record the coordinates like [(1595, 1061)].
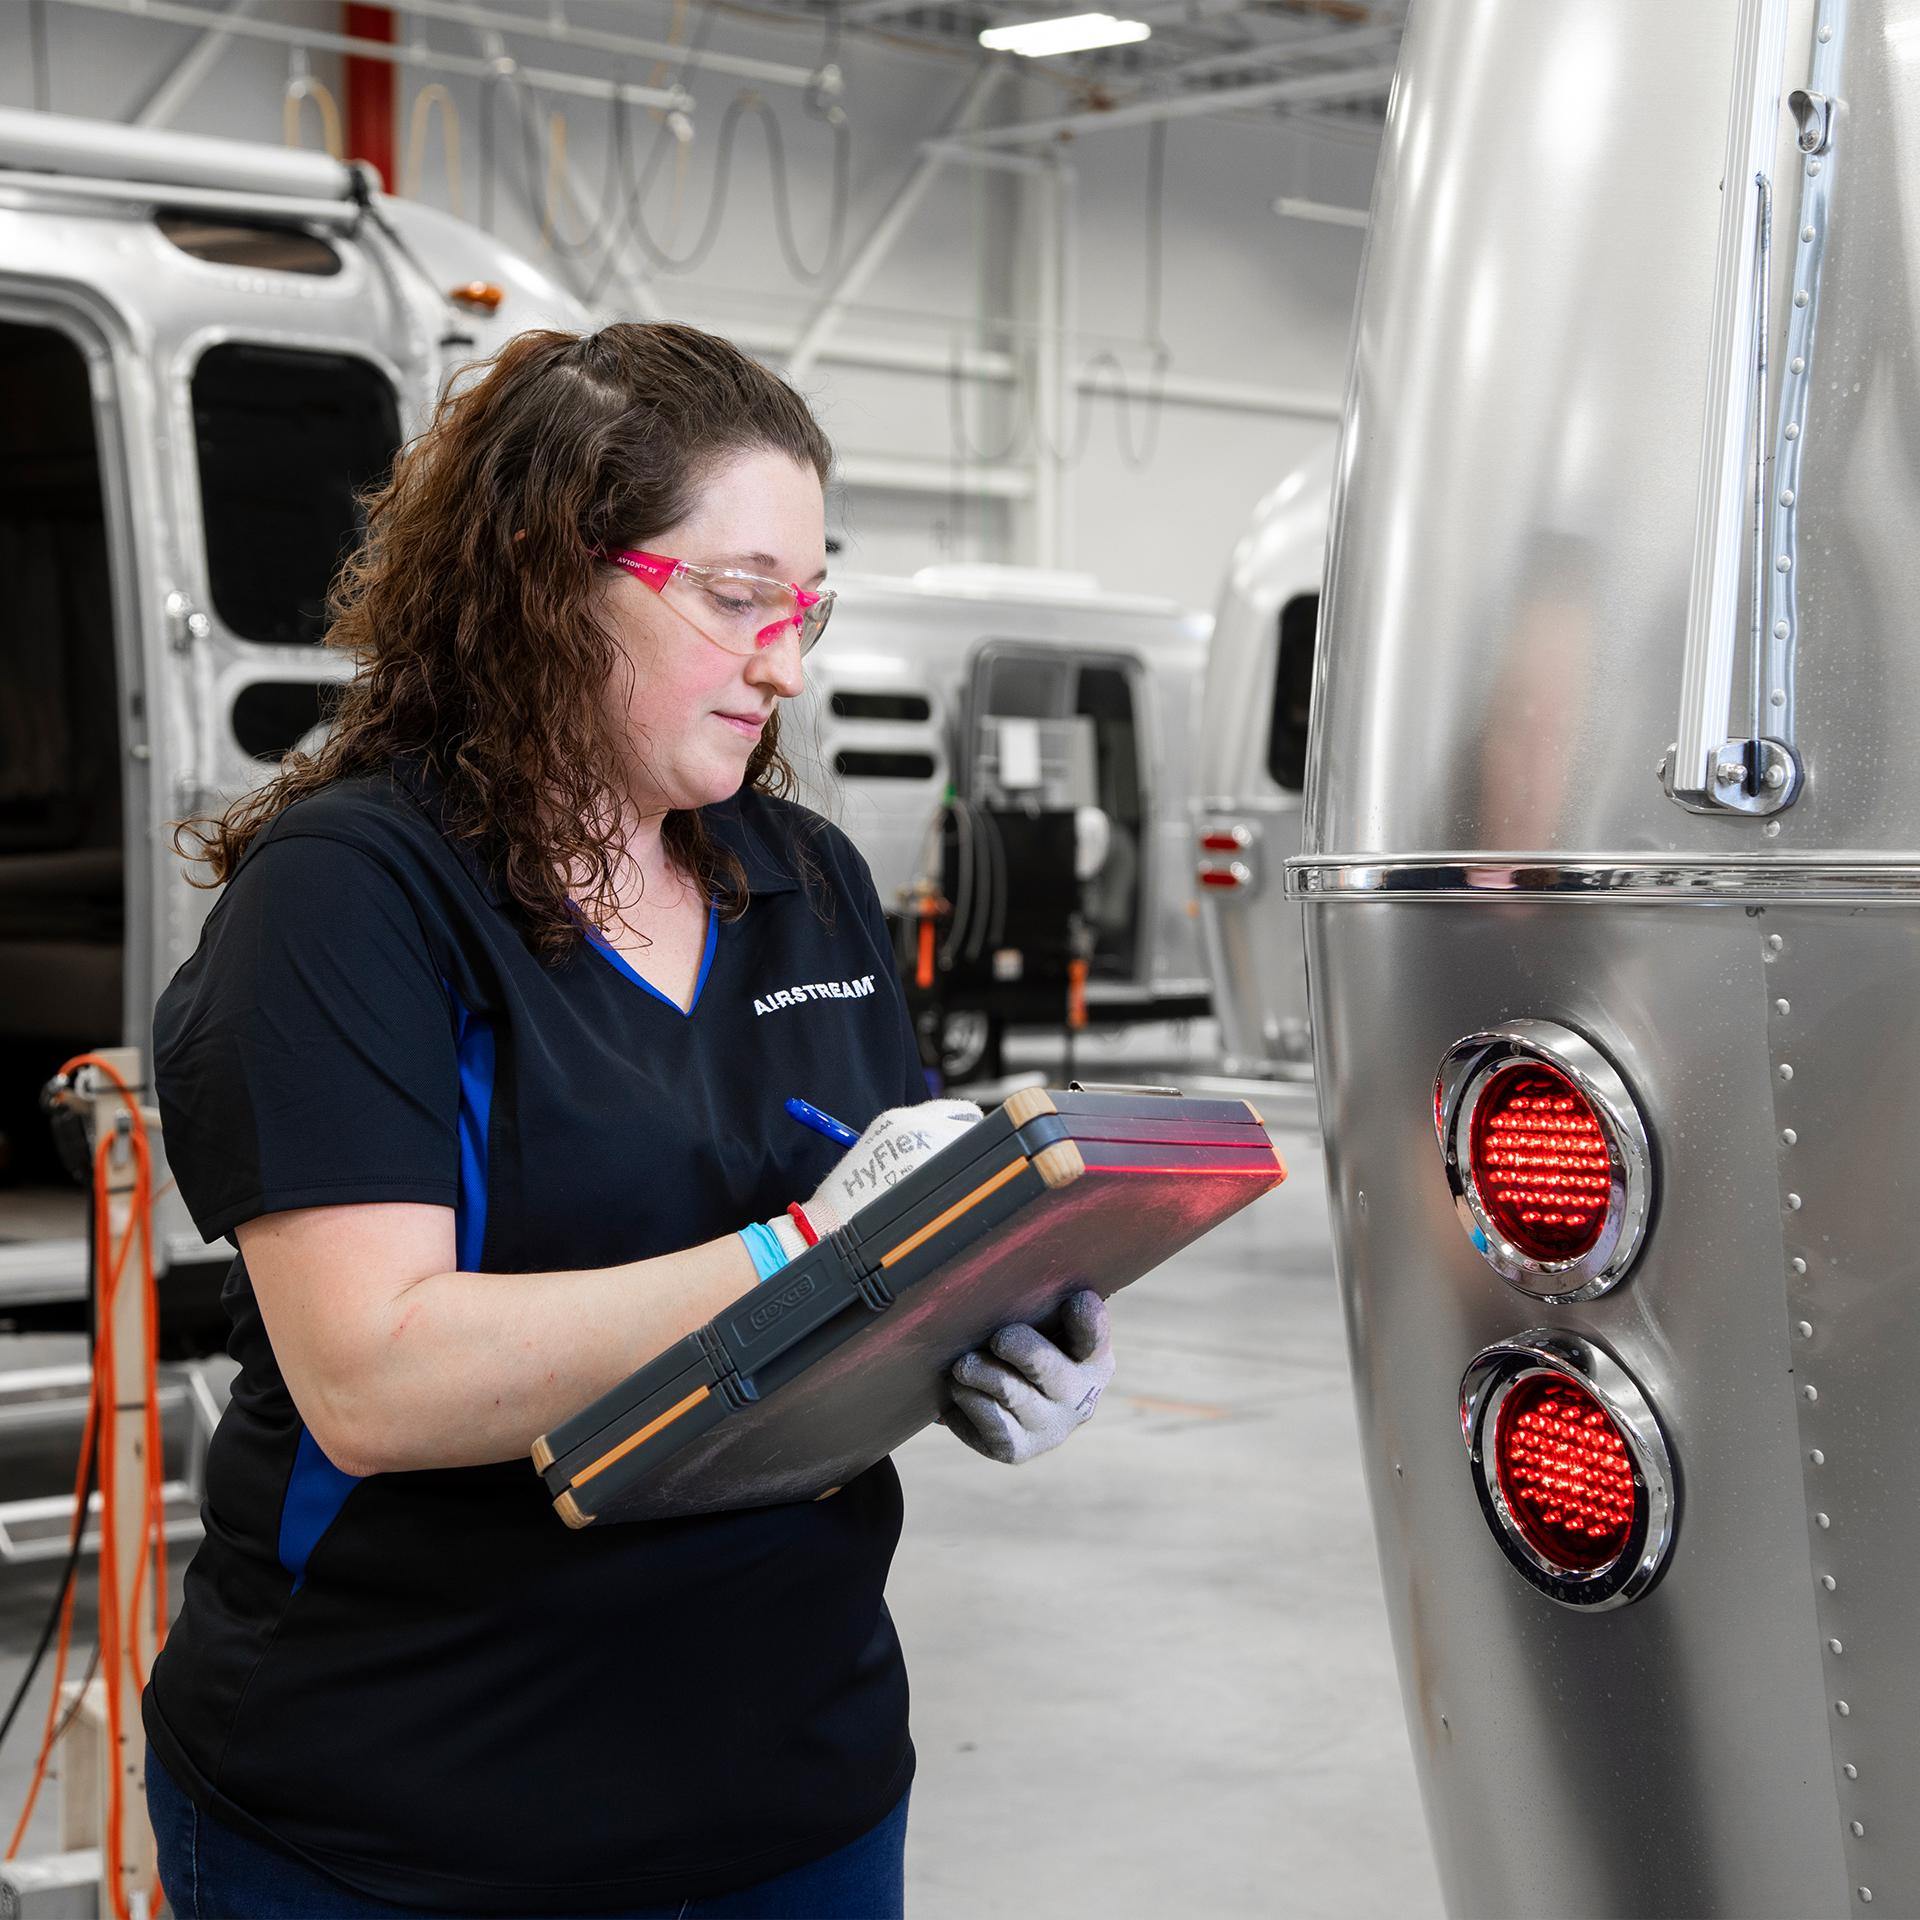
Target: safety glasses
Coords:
[(738, 611)]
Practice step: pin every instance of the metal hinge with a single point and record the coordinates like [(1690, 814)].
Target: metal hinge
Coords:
[(185, 622)]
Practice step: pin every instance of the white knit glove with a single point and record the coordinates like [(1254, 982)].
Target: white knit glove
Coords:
[(1024, 1395), (897, 1142)]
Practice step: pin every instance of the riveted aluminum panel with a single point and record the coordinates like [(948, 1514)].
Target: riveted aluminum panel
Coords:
[(1842, 1014), (1671, 1757), (1500, 669)]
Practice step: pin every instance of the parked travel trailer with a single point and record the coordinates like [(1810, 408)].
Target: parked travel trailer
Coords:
[(1027, 726), (206, 348), (1611, 872), (1253, 753)]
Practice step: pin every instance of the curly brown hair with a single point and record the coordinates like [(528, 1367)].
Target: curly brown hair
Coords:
[(469, 608)]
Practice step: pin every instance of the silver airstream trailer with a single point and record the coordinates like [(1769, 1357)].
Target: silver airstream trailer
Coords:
[(1253, 748), (1611, 874), (206, 347), (1030, 712)]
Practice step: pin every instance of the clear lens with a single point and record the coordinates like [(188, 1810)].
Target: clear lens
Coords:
[(731, 609), (743, 612), (813, 622)]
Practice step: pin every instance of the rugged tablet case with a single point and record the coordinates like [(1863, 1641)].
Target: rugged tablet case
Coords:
[(828, 1366)]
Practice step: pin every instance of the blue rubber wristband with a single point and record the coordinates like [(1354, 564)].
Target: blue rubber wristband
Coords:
[(763, 1245)]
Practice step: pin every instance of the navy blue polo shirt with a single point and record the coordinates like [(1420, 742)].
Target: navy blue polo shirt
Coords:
[(423, 1683)]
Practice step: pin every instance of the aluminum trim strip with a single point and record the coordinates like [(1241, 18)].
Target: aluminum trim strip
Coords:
[(20, 190), (1482, 876)]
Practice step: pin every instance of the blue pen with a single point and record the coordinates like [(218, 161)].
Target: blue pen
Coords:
[(811, 1116)]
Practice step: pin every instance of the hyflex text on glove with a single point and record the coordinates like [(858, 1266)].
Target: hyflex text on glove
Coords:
[(895, 1143)]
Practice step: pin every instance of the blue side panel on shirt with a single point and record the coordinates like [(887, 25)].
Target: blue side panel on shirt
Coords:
[(474, 1040), (316, 1491)]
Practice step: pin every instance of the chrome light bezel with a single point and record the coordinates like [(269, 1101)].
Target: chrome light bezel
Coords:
[(1465, 1074), (1490, 1377)]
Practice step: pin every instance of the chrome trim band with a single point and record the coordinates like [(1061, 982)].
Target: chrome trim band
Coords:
[(1495, 876)]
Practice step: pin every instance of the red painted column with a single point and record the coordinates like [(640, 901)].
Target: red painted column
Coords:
[(370, 94)]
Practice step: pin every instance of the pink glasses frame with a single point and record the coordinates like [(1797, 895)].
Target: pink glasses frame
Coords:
[(658, 571)]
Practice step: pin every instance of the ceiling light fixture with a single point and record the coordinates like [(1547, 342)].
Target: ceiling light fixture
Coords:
[(1074, 33)]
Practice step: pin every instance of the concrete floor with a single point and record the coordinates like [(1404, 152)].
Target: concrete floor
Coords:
[(1151, 1673)]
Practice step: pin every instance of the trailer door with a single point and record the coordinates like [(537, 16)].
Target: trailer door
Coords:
[(1054, 730), (63, 827)]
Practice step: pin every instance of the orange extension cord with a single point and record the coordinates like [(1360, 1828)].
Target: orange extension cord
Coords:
[(98, 1436)]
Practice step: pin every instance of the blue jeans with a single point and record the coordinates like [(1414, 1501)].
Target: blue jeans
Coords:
[(212, 1873)]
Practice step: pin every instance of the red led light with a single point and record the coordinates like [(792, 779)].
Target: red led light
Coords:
[(1219, 877), (1540, 1162), (1220, 842), (1565, 1473)]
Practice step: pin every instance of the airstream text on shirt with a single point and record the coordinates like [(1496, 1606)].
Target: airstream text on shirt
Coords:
[(819, 990)]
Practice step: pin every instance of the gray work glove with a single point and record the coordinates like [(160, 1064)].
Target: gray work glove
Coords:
[(1024, 1395)]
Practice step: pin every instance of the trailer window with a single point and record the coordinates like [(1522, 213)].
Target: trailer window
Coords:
[(1111, 899), (1025, 686), (881, 706), (287, 441), (1293, 692), (59, 701), (226, 243), (883, 766), (272, 717)]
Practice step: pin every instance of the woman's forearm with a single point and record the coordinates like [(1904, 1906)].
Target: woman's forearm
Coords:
[(397, 1362)]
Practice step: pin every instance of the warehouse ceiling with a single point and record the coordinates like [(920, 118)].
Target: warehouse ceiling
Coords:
[(1206, 55)]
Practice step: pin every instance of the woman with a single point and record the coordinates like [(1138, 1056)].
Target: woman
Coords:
[(469, 1063)]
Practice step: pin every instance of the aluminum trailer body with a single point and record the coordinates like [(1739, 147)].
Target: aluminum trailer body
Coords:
[(1252, 748), (206, 346), (1611, 874), (913, 687)]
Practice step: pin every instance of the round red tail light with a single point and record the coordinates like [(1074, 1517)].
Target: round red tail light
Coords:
[(1540, 1162), (1564, 1473), (1571, 1467), (1547, 1157)]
